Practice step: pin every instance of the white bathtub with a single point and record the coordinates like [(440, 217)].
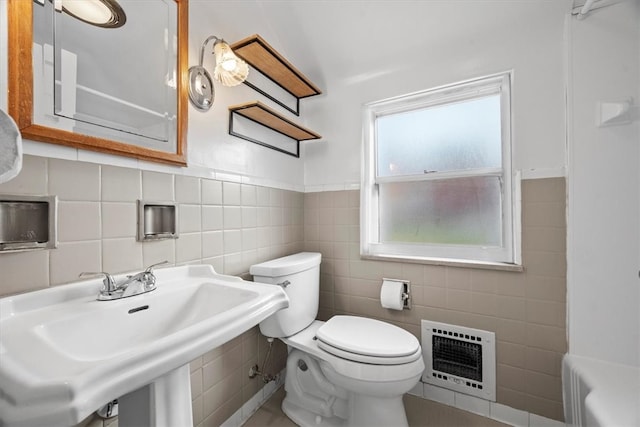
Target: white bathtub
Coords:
[(598, 393)]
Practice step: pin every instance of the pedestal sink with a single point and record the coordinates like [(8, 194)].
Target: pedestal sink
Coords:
[(63, 354)]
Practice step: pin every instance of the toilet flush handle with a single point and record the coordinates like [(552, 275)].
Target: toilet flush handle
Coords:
[(284, 284)]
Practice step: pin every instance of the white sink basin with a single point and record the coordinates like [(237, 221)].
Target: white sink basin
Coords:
[(63, 354)]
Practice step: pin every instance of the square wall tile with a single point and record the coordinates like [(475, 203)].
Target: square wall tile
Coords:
[(546, 337), (189, 218), (24, 271), (439, 394), (249, 239), (212, 244), (119, 219), (70, 180), (263, 196), (157, 186), (263, 217), (544, 214), (211, 192), (78, 221), (121, 255), (248, 195), (232, 241), (275, 197), (157, 251), (32, 179), (545, 312), (187, 189), (276, 216), (544, 190), (546, 288), (121, 184), (212, 218), (188, 247), (231, 194), (249, 216), (232, 217), (473, 404), (71, 259)]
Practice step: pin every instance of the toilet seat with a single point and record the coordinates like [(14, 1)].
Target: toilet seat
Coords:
[(370, 341), (307, 342), (371, 360)]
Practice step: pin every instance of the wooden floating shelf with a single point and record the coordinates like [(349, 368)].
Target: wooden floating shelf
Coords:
[(267, 117), (261, 114), (264, 58)]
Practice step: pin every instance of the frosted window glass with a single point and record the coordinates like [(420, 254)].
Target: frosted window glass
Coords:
[(461, 211), (456, 136)]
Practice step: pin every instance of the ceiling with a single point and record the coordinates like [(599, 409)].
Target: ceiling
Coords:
[(340, 42)]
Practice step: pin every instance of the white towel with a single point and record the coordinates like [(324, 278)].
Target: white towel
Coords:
[(10, 148)]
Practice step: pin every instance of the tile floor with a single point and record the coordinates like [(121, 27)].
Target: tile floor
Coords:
[(420, 412)]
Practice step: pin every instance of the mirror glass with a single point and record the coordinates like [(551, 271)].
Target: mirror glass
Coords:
[(118, 90), (116, 83)]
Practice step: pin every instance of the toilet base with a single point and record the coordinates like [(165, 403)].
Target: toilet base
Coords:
[(306, 418), (376, 412), (365, 411)]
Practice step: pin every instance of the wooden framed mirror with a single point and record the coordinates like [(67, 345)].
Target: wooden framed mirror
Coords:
[(93, 134)]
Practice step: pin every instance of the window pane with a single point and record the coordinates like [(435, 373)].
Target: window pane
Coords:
[(461, 211), (455, 136)]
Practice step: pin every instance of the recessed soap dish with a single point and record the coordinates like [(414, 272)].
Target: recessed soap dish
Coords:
[(157, 220), (27, 222)]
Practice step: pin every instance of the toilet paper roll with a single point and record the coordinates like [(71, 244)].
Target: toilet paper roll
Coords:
[(391, 294)]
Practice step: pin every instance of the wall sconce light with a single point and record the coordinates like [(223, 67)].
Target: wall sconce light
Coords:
[(229, 70)]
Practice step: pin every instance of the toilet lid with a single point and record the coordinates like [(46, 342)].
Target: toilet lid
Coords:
[(351, 335)]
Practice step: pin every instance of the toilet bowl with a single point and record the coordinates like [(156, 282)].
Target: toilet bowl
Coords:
[(348, 371)]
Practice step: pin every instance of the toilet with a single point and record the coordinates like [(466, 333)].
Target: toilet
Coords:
[(347, 371)]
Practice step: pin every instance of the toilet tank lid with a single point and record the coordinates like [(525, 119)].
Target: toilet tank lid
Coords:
[(286, 265)]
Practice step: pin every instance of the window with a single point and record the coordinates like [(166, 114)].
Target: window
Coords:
[(437, 182)]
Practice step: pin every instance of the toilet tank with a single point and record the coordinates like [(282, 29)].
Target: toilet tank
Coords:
[(299, 275)]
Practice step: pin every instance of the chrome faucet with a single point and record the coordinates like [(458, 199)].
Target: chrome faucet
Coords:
[(137, 284)]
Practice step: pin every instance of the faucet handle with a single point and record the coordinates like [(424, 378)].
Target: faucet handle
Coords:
[(148, 278), (108, 281), (150, 268)]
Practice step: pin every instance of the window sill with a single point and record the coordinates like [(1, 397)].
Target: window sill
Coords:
[(485, 265)]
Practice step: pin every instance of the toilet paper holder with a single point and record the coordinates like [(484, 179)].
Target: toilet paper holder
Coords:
[(406, 292)]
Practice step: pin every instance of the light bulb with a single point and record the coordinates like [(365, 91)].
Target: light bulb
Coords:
[(229, 64), (230, 70)]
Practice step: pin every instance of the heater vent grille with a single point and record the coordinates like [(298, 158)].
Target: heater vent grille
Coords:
[(460, 359)]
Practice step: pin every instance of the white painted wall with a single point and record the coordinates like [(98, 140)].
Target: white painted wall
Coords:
[(433, 44), (604, 188)]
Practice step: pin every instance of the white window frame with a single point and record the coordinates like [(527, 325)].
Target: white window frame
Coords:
[(505, 256)]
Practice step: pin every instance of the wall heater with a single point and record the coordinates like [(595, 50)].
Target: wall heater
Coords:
[(460, 359)]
